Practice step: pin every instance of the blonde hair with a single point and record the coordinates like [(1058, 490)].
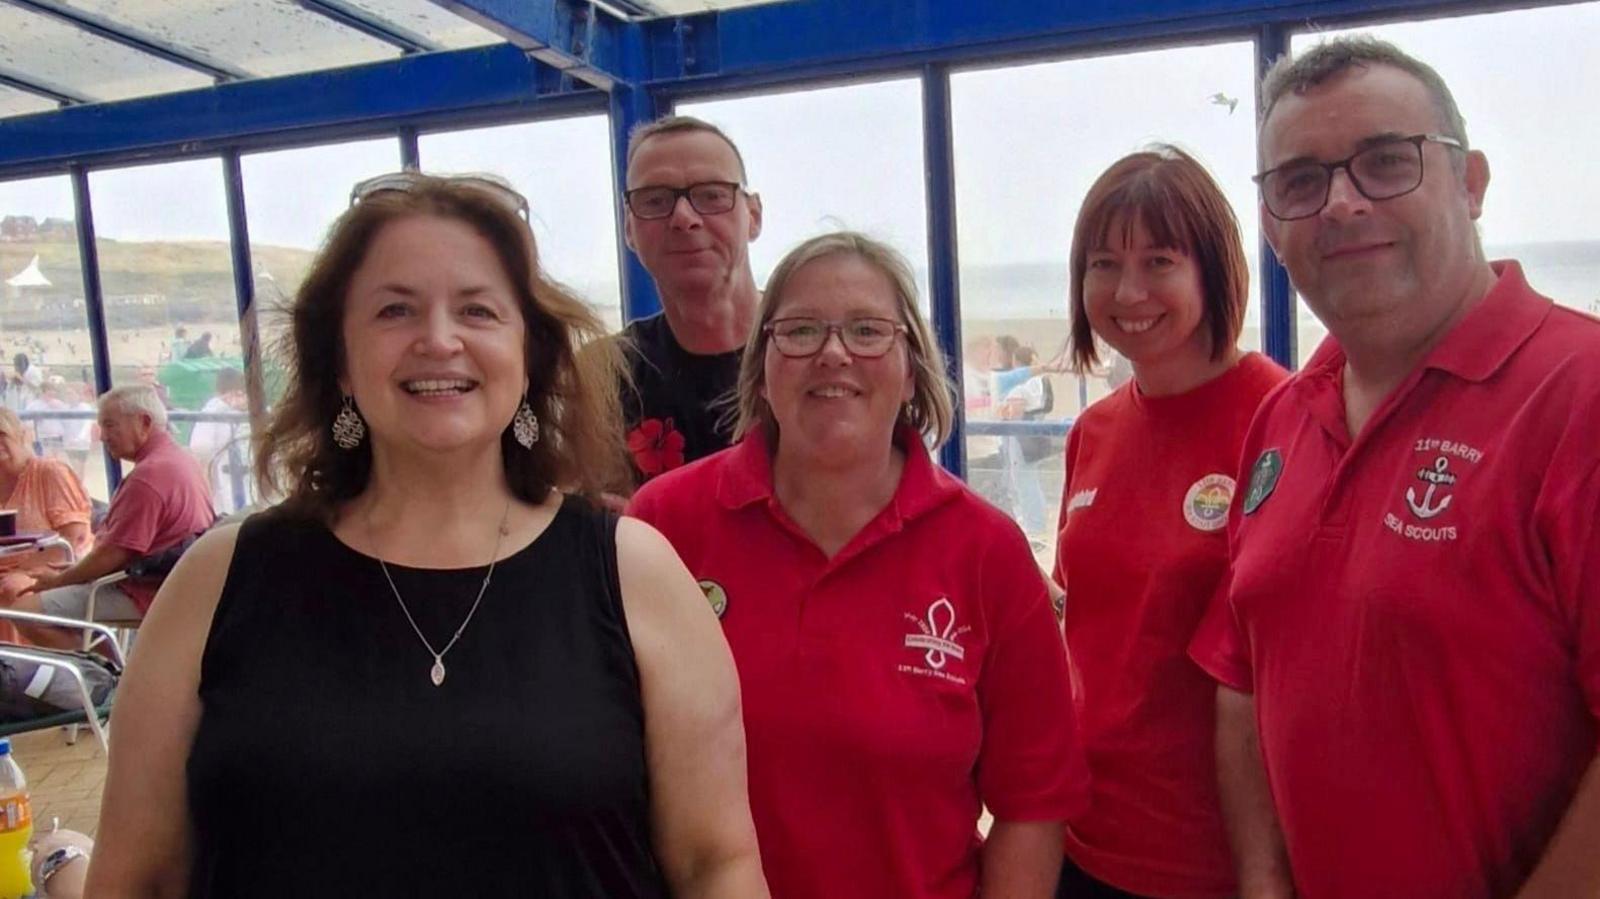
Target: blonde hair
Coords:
[(573, 393), (11, 423), (931, 410)]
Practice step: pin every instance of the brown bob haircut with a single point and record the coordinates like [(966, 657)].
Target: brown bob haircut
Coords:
[(574, 394), (1180, 206)]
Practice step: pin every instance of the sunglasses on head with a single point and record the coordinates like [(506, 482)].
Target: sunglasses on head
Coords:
[(408, 181)]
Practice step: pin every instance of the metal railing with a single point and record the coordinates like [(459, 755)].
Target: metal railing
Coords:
[(235, 463)]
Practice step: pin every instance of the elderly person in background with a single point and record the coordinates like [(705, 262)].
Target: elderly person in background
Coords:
[(164, 501), (47, 497), (900, 663)]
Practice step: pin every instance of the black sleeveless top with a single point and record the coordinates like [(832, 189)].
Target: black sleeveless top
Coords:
[(327, 763)]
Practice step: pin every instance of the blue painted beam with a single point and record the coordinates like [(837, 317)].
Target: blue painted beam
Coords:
[(454, 84), (94, 302), (410, 151), (944, 279), (358, 19), (1280, 336), (775, 43), (101, 27), (244, 292), (569, 35), (31, 85), (631, 107)]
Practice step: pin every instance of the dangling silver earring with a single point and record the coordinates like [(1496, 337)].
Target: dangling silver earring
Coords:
[(348, 428), (525, 425)]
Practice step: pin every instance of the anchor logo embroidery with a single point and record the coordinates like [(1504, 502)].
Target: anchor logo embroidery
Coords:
[(937, 634), (1437, 476)]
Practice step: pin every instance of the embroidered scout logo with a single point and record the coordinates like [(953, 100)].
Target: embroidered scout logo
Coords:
[(1205, 506), (939, 638), (1431, 489), (1436, 476), (1263, 479), (716, 596)]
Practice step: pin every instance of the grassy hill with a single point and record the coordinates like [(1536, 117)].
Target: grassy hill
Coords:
[(193, 279)]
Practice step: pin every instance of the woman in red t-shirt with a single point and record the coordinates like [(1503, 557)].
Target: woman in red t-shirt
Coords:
[(1158, 274)]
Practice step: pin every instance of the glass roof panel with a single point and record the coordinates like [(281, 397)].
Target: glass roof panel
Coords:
[(262, 37), (15, 102), (426, 19), (67, 57)]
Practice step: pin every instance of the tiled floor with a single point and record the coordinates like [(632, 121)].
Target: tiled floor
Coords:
[(64, 782)]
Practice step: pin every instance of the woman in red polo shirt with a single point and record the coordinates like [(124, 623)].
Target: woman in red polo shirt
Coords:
[(900, 665), (1158, 274)]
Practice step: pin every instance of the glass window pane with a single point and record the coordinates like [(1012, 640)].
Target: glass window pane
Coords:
[(427, 19), (59, 54), (1540, 204), (1029, 142), (263, 37), (828, 159), (166, 272), (291, 198), (47, 366), (563, 167), (14, 102)]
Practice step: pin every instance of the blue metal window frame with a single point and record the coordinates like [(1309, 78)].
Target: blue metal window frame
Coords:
[(566, 60)]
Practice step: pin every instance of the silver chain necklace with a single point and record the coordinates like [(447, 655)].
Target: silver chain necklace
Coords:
[(437, 672)]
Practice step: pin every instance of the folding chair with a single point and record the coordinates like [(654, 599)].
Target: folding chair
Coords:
[(154, 566), (89, 713), (122, 628)]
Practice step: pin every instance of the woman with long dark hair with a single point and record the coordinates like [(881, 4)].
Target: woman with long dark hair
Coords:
[(438, 668)]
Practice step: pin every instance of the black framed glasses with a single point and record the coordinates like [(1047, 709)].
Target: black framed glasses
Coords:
[(408, 180), (866, 338), (1382, 171), (705, 197)]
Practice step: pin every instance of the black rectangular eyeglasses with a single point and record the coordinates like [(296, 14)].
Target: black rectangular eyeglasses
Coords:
[(705, 197), (1382, 171)]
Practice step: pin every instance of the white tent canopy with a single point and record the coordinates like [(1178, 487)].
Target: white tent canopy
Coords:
[(29, 277)]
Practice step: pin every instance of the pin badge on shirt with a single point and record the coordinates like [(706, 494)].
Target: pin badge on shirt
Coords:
[(716, 596), (1263, 479), (1205, 506)]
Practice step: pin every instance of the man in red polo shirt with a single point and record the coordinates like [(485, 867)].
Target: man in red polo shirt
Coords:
[(1409, 649), (163, 501)]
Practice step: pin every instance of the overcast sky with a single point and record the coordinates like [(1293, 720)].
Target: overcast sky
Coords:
[(1029, 139)]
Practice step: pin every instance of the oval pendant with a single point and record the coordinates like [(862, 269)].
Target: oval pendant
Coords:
[(438, 672)]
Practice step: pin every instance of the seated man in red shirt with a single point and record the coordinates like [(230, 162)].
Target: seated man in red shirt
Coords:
[(162, 502), (1409, 646)]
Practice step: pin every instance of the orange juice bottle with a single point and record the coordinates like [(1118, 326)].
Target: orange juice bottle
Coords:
[(16, 828)]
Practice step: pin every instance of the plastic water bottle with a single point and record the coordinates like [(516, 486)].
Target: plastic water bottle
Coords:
[(16, 828)]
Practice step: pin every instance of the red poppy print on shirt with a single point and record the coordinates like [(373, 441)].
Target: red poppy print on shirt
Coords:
[(656, 446)]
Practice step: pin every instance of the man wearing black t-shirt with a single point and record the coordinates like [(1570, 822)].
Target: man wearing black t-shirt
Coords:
[(690, 221)]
